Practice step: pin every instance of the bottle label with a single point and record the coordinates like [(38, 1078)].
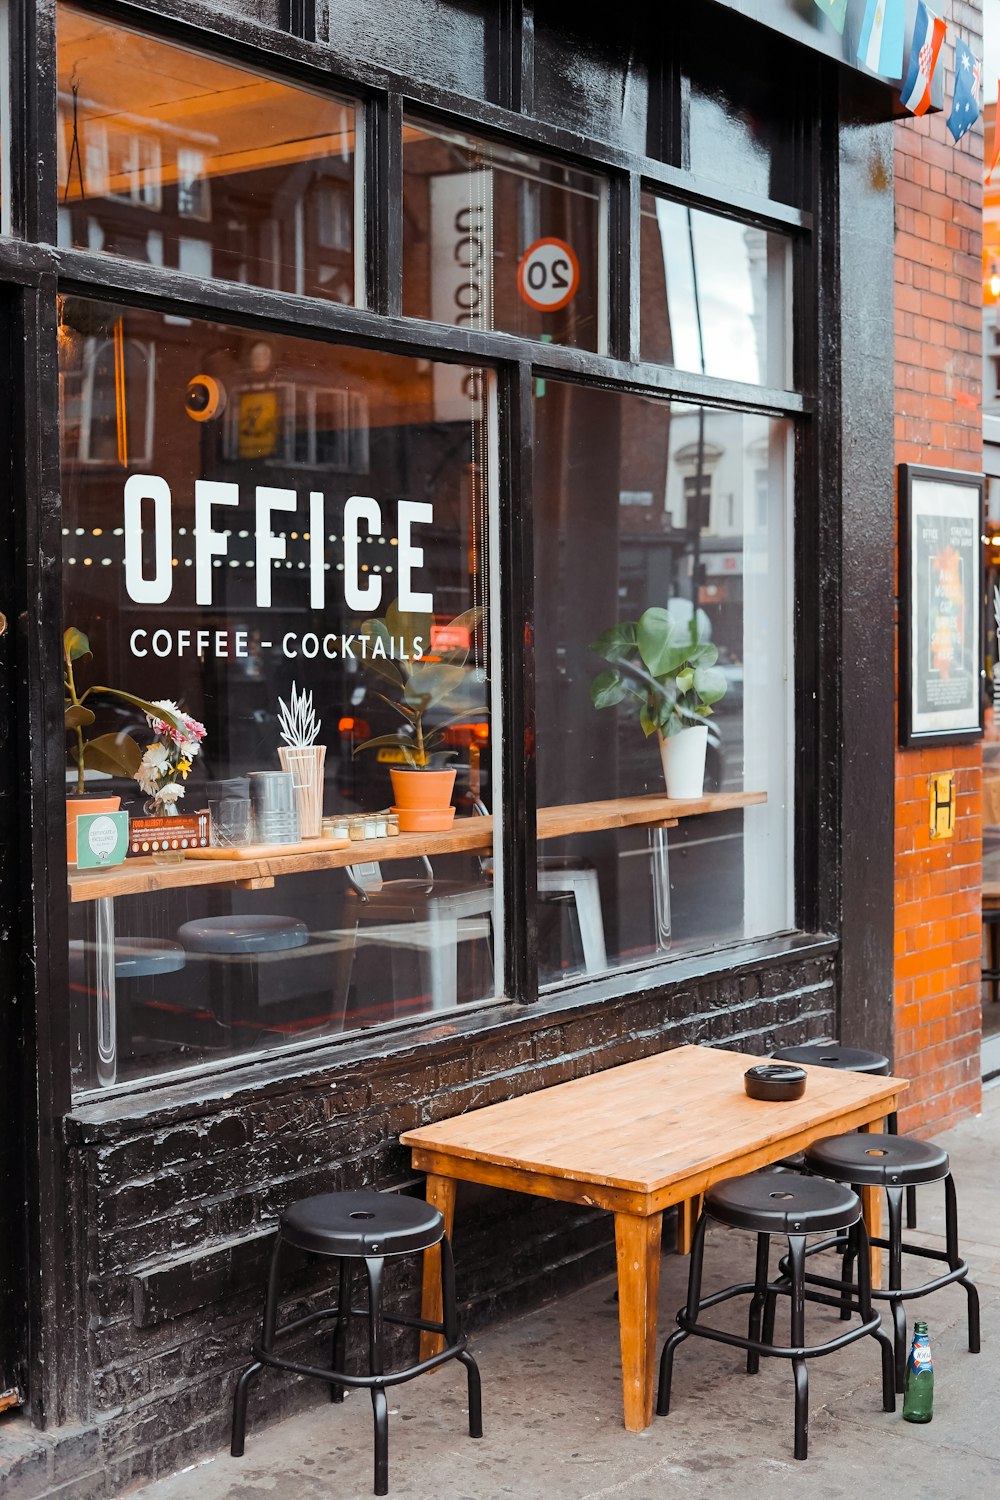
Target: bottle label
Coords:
[(921, 1357)]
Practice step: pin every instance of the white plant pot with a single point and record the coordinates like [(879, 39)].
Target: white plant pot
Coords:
[(683, 757)]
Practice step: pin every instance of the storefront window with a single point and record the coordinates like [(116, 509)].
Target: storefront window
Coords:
[(644, 505), (499, 239), (716, 295), (289, 543), (177, 159)]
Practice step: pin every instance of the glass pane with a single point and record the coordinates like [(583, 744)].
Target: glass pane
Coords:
[(716, 294), (291, 543), (444, 41), (178, 159), (647, 505), (498, 239), (741, 130)]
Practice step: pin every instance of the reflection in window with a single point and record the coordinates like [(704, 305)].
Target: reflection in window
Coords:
[(243, 513), (498, 239), (716, 294), (709, 550), (153, 136)]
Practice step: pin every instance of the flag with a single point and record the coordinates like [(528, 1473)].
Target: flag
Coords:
[(928, 35), (836, 10), (880, 46), (967, 98), (995, 153)]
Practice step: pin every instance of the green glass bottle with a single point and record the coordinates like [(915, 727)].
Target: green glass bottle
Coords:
[(918, 1398)]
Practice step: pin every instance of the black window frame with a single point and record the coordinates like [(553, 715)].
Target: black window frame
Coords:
[(35, 263)]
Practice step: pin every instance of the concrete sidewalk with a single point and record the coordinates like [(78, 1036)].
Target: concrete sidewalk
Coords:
[(552, 1402)]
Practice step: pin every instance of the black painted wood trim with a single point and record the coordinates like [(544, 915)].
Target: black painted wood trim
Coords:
[(383, 204), (518, 685), (111, 277), (43, 924), (865, 648), (34, 183)]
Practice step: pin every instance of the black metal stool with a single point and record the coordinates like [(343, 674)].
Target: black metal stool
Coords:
[(791, 1206), (852, 1060), (368, 1227), (896, 1164)]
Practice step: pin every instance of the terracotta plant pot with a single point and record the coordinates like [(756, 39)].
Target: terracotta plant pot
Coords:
[(80, 806), (427, 796)]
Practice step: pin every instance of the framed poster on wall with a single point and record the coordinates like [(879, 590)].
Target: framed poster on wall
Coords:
[(940, 606)]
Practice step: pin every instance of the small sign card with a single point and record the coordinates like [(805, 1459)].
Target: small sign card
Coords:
[(101, 840), (153, 835)]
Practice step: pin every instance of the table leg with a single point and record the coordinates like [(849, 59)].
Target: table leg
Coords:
[(871, 1207), (107, 1018), (441, 1192), (638, 1245), (687, 1217), (660, 869)]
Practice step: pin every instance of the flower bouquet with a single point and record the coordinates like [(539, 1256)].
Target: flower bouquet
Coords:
[(167, 761)]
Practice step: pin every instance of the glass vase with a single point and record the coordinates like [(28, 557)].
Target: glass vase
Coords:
[(164, 855)]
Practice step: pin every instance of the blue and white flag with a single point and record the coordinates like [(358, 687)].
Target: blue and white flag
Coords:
[(967, 100), (880, 45)]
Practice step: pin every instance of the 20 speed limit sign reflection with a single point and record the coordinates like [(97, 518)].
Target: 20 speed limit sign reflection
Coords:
[(548, 275)]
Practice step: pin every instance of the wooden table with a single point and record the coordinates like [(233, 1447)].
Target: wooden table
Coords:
[(635, 1140), (468, 835)]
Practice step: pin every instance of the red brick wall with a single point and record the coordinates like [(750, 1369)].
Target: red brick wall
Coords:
[(938, 312)]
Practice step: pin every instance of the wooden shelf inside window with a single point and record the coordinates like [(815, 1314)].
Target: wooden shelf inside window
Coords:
[(472, 835)]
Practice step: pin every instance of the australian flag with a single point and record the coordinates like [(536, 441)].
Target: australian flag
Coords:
[(967, 100)]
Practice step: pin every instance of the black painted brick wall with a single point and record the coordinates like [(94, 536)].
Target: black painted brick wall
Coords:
[(170, 1221)]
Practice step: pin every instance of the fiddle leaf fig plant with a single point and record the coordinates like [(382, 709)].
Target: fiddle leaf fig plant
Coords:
[(117, 754), (665, 671), (396, 651)]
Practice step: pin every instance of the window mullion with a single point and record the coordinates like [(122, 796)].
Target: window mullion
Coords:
[(383, 194), (517, 668)]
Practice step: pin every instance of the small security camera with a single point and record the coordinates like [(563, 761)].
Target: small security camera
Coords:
[(204, 398)]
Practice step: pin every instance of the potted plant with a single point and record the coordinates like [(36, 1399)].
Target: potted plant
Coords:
[(397, 651), (116, 754), (665, 671)]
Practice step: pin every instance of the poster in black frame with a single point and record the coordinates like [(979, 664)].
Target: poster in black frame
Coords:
[(940, 606)]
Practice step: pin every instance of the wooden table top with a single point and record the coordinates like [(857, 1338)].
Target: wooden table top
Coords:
[(467, 835), (644, 1125)]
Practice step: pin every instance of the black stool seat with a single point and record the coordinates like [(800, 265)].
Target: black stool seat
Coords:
[(361, 1224), (770, 1203), (832, 1055), (878, 1160)]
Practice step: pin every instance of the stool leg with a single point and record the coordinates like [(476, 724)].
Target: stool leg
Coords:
[(867, 1311), (757, 1301), (847, 1273), (270, 1322), (339, 1357), (680, 1334), (951, 1233), (450, 1320), (892, 1128), (797, 1271), (375, 1267), (242, 1393), (894, 1200)]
